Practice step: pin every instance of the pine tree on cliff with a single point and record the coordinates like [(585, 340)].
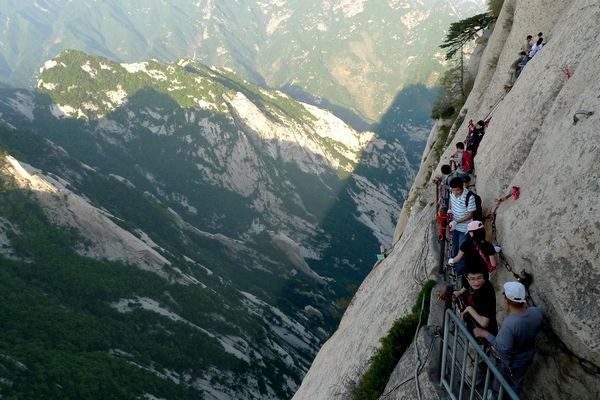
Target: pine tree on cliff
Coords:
[(462, 32)]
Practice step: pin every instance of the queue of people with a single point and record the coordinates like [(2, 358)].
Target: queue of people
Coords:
[(474, 260), (528, 51)]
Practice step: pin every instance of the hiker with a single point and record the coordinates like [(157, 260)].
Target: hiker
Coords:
[(515, 70), (514, 344), (444, 184), (469, 184), (477, 252), (462, 210), (457, 160), (479, 300), (476, 136), (541, 36), (520, 63), (536, 47), (527, 44)]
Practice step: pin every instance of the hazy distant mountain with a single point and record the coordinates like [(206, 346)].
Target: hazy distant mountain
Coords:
[(354, 53), (176, 221)]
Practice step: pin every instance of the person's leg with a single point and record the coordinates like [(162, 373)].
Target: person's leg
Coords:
[(455, 242), (460, 267), (517, 375)]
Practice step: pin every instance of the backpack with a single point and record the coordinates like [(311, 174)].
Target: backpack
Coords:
[(467, 162), (478, 213)]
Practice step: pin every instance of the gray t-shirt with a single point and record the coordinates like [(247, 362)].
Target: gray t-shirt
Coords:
[(515, 342)]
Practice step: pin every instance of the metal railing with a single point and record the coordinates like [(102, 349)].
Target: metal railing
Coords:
[(466, 367)]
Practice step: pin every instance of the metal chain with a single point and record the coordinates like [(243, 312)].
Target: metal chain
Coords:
[(587, 365)]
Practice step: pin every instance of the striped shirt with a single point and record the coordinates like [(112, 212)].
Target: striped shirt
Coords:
[(459, 211)]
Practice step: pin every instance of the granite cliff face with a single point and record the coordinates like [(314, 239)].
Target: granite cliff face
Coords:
[(534, 141)]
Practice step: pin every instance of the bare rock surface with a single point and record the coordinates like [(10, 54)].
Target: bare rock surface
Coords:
[(388, 293), (105, 238), (552, 231)]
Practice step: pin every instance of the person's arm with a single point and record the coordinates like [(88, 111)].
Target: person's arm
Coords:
[(459, 256), (466, 217), (493, 260), (460, 292), (480, 332), (503, 342), (471, 210), (481, 320)]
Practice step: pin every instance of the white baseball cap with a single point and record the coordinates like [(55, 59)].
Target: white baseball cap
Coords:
[(515, 291)]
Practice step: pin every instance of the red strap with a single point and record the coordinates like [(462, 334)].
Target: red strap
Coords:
[(484, 258)]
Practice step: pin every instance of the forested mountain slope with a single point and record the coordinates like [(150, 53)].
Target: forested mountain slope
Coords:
[(178, 230)]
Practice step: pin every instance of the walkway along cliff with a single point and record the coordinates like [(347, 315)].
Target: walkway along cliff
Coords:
[(543, 137)]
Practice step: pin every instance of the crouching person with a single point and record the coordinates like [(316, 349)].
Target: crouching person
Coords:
[(514, 345)]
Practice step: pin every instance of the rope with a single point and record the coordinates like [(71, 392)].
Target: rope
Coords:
[(418, 356), (493, 108), (421, 261), (419, 369)]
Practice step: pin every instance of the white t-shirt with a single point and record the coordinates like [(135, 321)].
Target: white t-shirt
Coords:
[(535, 49)]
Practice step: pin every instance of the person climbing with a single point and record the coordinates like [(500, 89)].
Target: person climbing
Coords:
[(527, 44), (515, 70), (462, 210), (476, 136), (536, 47), (541, 36), (477, 252), (443, 183), (514, 344), (457, 160), (521, 62), (469, 184), (479, 298)]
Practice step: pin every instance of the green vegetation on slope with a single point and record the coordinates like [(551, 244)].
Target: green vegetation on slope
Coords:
[(400, 336), (59, 322)]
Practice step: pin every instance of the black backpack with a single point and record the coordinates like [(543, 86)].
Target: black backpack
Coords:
[(478, 213)]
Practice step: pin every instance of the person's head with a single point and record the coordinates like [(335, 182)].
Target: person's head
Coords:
[(456, 186), (476, 276), (522, 54), (540, 41), (460, 146), (446, 169), (540, 34), (529, 38), (515, 294), (467, 180), (476, 230), (481, 123)]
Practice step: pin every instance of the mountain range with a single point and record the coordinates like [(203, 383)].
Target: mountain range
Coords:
[(174, 230), (225, 223), (356, 54)]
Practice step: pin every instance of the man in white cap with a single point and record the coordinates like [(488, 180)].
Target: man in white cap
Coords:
[(515, 342)]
